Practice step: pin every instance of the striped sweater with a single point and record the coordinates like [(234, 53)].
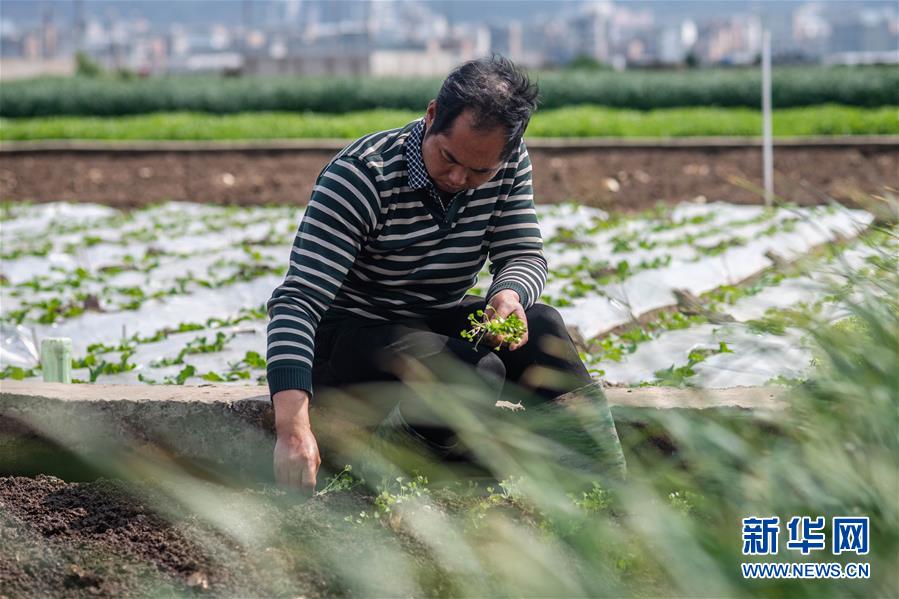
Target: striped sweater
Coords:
[(372, 244)]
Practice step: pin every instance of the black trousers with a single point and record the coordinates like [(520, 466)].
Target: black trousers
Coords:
[(355, 350)]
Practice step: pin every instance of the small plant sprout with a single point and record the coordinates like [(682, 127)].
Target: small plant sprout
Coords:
[(511, 328), (342, 481)]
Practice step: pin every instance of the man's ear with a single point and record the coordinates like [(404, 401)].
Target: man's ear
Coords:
[(430, 113)]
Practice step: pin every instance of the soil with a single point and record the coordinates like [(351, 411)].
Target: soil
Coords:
[(621, 178), (110, 538)]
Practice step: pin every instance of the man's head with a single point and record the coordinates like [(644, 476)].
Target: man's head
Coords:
[(476, 122)]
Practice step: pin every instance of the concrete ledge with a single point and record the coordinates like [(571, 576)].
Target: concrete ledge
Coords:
[(212, 393), (230, 429), (87, 427), (536, 143), (668, 398), (239, 397)]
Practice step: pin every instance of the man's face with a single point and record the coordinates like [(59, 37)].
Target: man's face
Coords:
[(461, 157)]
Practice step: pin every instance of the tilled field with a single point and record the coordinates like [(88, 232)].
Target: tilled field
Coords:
[(618, 178), (117, 538), (704, 294), (113, 538)]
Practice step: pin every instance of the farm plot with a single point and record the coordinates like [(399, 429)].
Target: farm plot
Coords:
[(706, 294)]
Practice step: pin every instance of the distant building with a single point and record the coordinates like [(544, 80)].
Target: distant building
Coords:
[(811, 29), (311, 62), (407, 60), (507, 39), (22, 68), (737, 40), (664, 45), (869, 32), (591, 32), (432, 60), (863, 58), (211, 62), (415, 38)]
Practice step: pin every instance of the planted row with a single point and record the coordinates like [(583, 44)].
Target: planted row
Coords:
[(644, 90), (585, 120), (712, 307)]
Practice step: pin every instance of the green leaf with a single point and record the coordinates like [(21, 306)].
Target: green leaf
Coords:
[(186, 372)]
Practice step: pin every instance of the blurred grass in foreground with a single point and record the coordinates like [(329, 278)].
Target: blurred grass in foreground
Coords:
[(575, 121), (673, 529)]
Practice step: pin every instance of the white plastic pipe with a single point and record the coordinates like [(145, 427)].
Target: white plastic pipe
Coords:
[(767, 141)]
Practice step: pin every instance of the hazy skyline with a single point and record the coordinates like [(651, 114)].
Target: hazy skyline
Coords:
[(231, 12)]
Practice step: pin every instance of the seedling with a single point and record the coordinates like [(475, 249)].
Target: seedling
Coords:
[(511, 328)]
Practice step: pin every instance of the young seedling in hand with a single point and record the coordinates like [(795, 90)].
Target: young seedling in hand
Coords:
[(510, 329)]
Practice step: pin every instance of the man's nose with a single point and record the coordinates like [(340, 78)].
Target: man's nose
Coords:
[(457, 176)]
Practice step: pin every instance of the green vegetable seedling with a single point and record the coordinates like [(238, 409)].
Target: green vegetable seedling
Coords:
[(511, 328)]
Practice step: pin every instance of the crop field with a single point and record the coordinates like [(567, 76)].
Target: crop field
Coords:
[(698, 294), (167, 491), (572, 121), (642, 90)]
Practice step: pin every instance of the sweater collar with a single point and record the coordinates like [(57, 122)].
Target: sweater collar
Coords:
[(415, 165)]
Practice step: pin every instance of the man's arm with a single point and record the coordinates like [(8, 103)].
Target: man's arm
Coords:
[(341, 213), (516, 246), (516, 251), (296, 457)]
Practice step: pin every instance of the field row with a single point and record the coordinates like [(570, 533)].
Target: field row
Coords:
[(118, 265), (194, 311), (574, 121), (740, 336), (642, 90)]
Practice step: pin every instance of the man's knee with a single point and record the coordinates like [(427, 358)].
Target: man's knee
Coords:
[(449, 360), (400, 356), (491, 366), (545, 318), (418, 344), (485, 363), (436, 350), (548, 333)]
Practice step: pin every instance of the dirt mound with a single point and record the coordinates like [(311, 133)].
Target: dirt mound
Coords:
[(623, 178), (111, 538)]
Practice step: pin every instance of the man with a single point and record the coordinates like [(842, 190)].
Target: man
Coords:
[(398, 226)]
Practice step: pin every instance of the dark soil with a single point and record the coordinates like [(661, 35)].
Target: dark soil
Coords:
[(109, 538), (619, 178)]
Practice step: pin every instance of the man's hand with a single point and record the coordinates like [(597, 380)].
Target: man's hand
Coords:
[(506, 302), (296, 456)]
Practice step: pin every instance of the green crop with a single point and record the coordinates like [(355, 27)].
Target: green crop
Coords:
[(511, 328), (641, 90), (18, 374), (583, 120)]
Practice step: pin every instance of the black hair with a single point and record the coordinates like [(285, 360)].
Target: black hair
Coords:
[(498, 93)]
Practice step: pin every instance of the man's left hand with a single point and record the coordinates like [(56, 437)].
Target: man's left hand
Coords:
[(506, 302)]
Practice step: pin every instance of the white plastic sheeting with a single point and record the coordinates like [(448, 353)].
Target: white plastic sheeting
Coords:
[(185, 229), (755, 358), (156, 315), (654, 289)]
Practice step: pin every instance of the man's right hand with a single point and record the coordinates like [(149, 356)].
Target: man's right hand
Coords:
[(296, 456)]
